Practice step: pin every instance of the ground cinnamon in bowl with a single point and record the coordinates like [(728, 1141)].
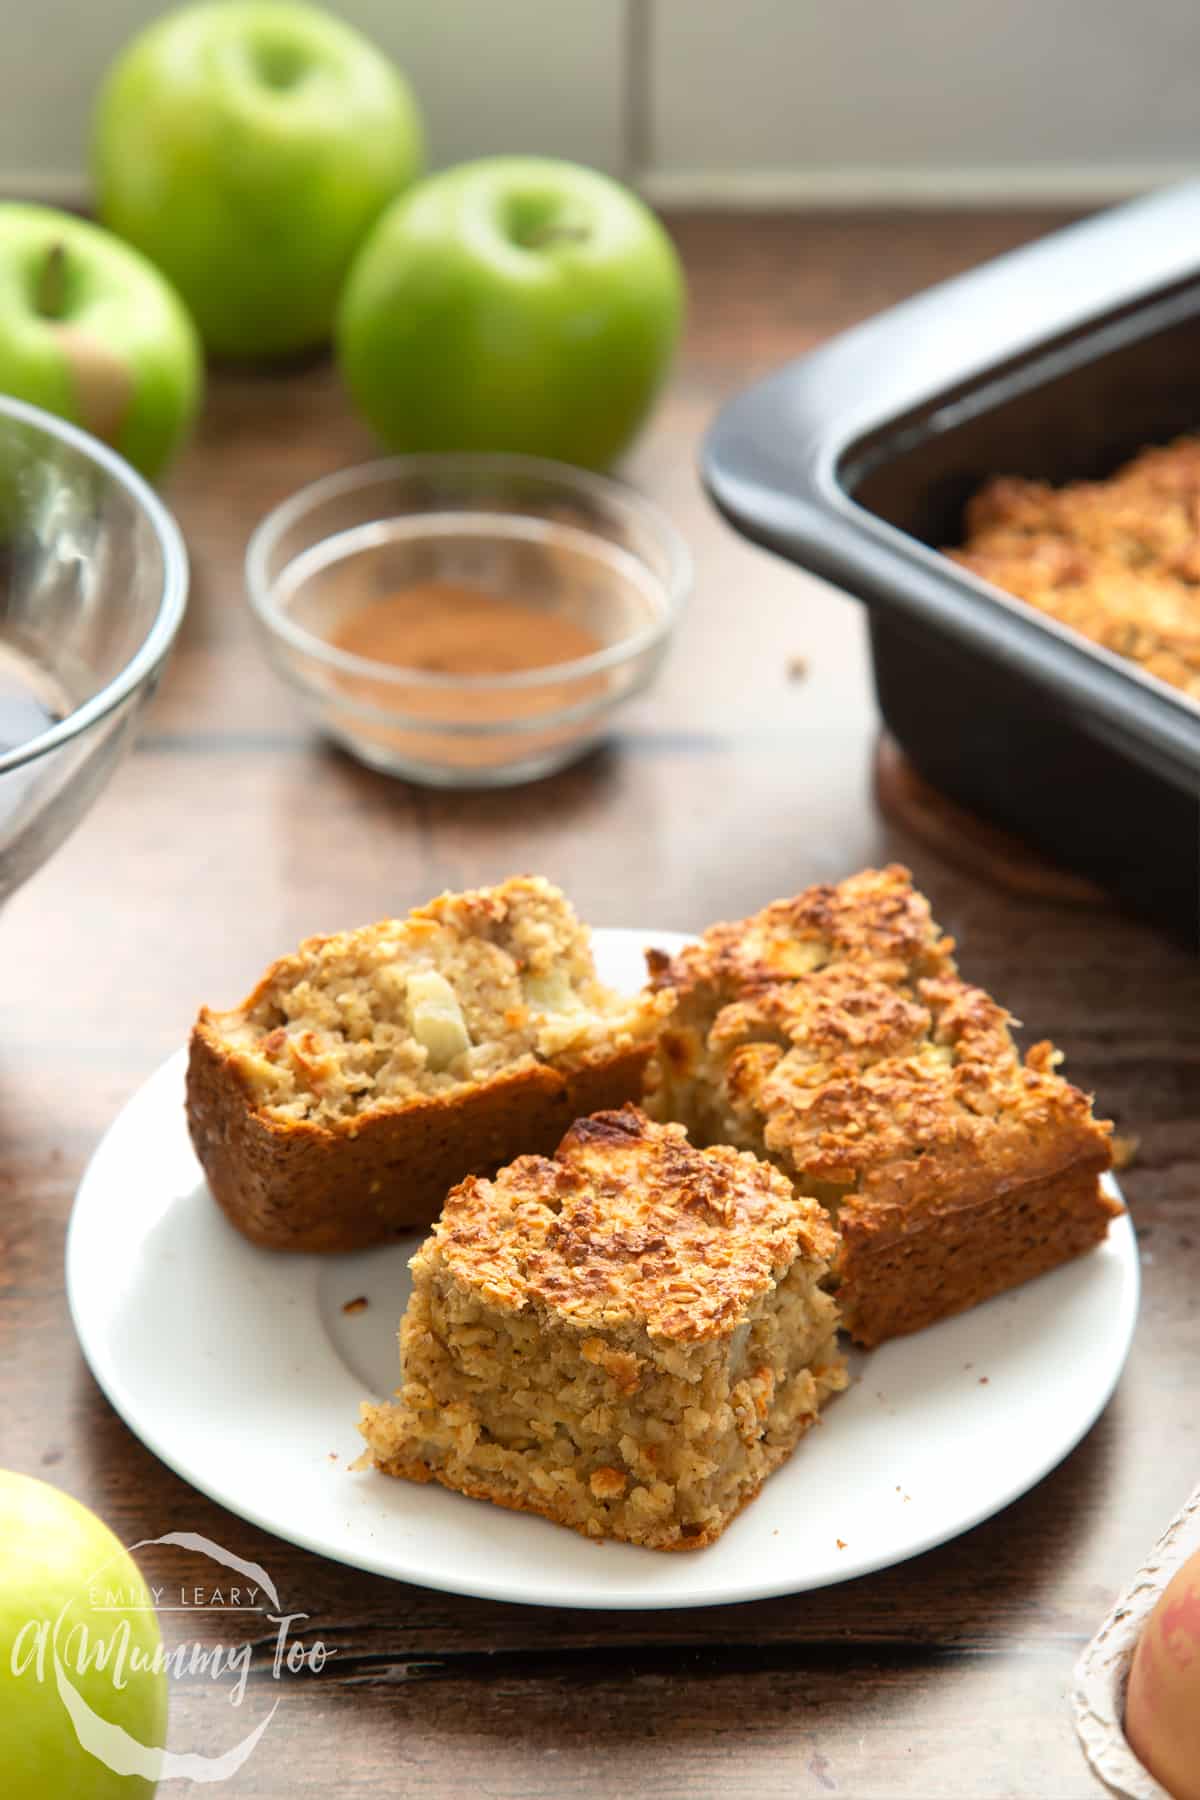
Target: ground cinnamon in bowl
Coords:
[(447, 628)]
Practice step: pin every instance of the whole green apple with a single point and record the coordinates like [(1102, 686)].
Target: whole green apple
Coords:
[(247, 146), (512, 304), (67, 1589), (89, 330)]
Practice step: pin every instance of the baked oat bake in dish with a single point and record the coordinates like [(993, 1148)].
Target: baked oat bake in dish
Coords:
[(371, 1070), (626, 1337), (1119, 559), (832, 1034)]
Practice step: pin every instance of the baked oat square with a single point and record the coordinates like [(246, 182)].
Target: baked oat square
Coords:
[(371, 1070), (858, 1062), (626, 1337)]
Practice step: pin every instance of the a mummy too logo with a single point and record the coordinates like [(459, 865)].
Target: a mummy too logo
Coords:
[(103, 1656)]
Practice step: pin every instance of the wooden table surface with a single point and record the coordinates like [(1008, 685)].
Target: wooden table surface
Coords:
[(231, 833)]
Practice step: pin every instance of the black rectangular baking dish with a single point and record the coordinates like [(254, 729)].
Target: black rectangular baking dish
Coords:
[(1056, 361)]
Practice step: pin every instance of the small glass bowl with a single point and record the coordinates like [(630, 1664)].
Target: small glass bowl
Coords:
[(581, 548)]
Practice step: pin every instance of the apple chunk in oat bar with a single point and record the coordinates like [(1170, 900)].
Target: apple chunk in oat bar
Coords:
[(626, 1337)]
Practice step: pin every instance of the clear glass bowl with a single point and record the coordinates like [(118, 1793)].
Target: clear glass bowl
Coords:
[(93, 584), (581, 548)]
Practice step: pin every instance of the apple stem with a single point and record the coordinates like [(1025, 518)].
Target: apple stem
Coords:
[(51, 295)]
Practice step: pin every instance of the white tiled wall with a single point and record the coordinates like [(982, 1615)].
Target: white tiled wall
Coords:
[(958, 94), (738, 100)]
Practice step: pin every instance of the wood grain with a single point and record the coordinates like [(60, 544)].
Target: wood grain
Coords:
[(231, 833)]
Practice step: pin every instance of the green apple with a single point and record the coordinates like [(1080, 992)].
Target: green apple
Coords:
[(89, 330), (512, 304), (247, 146), (63, 1575)]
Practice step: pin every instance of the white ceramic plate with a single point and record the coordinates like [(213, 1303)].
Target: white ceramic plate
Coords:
[(241, 1370)]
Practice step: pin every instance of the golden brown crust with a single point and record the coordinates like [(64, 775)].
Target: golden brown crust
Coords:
[(891, 1090), (297, 1185), (629, 1223), (909, 1091), (1118, 560), (874, 917)]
